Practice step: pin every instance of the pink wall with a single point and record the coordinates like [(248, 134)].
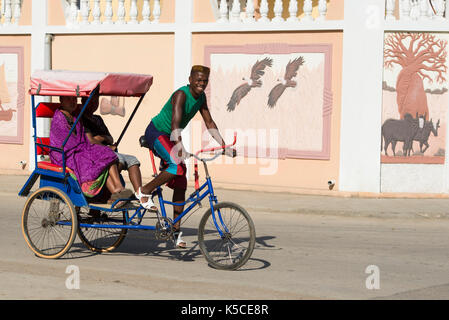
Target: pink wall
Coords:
[(291, 174)]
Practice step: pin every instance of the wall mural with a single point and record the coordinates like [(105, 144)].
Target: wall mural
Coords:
[(283, 87), (415, 98), (12, 95)]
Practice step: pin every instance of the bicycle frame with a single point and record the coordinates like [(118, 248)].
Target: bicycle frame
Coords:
[(195, 199)]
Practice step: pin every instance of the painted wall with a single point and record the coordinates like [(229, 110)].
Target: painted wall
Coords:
[(12, 154), (124, 53), (295, 174)]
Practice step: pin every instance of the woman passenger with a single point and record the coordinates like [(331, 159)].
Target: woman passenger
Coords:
[(94, 165)]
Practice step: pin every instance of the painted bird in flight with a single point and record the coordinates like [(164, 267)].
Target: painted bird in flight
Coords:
[(291, 71), (241, 91)]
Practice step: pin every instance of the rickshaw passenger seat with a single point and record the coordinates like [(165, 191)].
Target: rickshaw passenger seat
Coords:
[(44, 113)]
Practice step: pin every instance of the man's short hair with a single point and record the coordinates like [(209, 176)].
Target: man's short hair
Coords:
[(199, 68)]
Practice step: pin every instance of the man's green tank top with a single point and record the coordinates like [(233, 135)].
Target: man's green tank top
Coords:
[(162, 121)]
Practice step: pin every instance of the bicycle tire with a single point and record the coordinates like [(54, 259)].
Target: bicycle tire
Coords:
[(102, 239), (212, 244), (49, 231)]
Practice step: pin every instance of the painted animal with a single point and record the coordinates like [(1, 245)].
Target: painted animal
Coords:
[(422, 136), (291, 71), (257, 71), (404, 130)]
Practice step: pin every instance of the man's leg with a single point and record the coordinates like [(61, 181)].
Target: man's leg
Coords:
[(179, 196), (135, 177), (161, 178)]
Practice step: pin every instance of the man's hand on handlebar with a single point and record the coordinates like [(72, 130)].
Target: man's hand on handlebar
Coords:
[(230, 152)]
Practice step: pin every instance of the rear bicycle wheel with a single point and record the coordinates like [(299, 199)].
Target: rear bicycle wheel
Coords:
[(49, 222), (233, 249), (101, 235)]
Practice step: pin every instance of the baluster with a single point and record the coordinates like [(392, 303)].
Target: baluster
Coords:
[(73, 19), (405, 10), (278, 7), (390, 5), (8, 13), (121, 12), (108, 13), (264, 11), (96, 12), (235, 12), (146, 12), (84, 8), (293, 10), (133, 12), (322, 9), (441, 5), (156, 11), (223, 11), (308, 11), (250, 11), (424, 10), (446, 10), (17, 12)]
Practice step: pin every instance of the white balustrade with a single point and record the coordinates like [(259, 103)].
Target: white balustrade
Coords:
[(146, 12), (121, 12), (223, 10), (104, 12), (389, 7), (235, 11), (8, 13), (133, 12), (250, 11), (84, 12), (264, 11), (278, 11), (96, 13), (17, 11), (156, 11), (417, 10), (293, 11)]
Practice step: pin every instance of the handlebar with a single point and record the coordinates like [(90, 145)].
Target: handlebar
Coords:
[(217, 154), (214, 149)]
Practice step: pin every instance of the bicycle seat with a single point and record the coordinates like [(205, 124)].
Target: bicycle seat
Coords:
[(143, 142)]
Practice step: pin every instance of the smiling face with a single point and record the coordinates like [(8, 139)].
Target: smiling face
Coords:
[(198, 83)]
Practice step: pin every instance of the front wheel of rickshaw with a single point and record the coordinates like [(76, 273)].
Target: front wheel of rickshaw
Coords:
[(96, 229), (49, 222), (231, 249)]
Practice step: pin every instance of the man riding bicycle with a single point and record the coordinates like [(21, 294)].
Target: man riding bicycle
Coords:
[(163, 136)]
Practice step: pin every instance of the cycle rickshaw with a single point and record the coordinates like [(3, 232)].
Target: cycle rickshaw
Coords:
[(58, 211)]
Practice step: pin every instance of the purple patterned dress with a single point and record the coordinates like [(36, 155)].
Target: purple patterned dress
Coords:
[(88, 161)]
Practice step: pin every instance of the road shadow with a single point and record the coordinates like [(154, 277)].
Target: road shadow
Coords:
[(144, 243)]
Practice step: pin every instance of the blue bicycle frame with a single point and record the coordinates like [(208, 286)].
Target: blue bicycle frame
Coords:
[(195, 199)]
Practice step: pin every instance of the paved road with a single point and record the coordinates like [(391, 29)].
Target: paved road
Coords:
[(297, 256)]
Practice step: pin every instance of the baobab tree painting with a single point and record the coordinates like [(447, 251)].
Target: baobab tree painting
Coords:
[(414, 94)]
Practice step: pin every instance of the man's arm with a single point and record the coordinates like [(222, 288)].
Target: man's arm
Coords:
[(213, 129), (178, 101)]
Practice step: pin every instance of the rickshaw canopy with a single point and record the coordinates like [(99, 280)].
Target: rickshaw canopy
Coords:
[(82, 83)]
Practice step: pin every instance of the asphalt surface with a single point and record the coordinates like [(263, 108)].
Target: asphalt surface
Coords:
[(307, 247)]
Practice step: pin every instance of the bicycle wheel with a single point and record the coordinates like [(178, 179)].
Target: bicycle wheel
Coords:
[(98, 238), (234, 248), (49, 223)]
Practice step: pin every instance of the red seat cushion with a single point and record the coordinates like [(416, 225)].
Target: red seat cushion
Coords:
[(46, 109), (52, 167)]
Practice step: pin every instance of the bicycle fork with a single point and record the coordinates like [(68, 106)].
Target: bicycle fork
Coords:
[(213, 200)]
